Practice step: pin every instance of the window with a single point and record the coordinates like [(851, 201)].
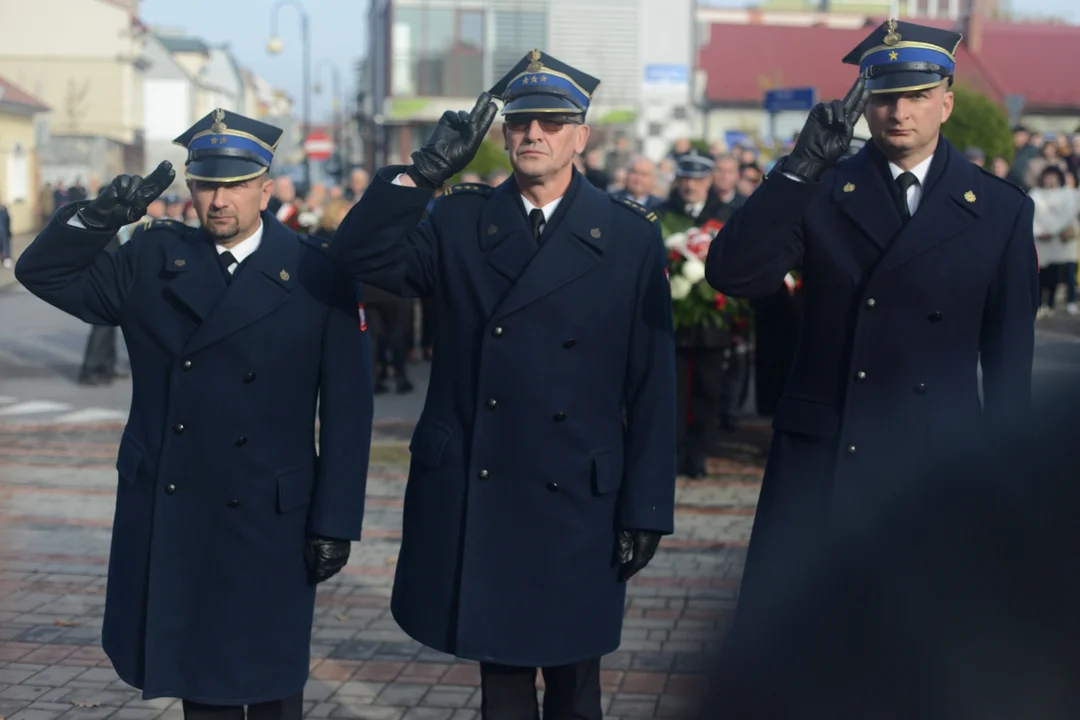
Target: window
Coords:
[(516, 33), (437, 52)]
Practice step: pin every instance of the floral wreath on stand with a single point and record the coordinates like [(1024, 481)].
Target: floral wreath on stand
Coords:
[(693, 300)]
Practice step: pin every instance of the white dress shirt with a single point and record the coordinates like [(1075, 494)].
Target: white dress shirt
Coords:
[(914, 193), (242, 249)]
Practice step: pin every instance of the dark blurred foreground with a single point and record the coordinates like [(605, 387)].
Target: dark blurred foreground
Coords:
[(959, 600)]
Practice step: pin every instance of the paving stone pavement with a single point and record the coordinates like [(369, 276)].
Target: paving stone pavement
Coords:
[(57, 488)]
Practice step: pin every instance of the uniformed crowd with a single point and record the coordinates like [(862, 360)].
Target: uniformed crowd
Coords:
[(588, 340)]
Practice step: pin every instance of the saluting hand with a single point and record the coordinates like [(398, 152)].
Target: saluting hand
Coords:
[(126, 198), (826, 136), (634, 550), (452, 143)]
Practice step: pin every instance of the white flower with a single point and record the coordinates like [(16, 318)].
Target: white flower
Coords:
[(680, 287), (675, 241), (307, 219), (693, 270)]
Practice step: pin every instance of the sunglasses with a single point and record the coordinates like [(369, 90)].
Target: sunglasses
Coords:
[(549, 124)]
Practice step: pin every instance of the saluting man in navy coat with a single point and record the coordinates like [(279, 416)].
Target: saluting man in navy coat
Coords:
[(919, 267), (227, 515), (543, 464)]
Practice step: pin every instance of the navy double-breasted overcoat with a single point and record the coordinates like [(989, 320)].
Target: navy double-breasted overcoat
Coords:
[(549, 422), (220, 480), (898, 319)]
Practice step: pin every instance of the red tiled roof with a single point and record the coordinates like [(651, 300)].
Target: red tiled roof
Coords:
[(14, 94), (743, 60)]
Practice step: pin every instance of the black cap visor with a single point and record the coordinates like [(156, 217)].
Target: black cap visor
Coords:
[(905, 79)]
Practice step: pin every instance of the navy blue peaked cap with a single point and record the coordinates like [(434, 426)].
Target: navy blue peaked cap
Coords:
[(541, 84), (902, 57), (227, 147), (694, 164)]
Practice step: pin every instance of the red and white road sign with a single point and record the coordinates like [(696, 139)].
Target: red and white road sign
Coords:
[(318, 146)]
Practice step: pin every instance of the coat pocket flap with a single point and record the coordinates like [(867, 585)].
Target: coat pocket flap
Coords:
[(805, 417), (294, 489), (607, 471), (428, 442), (129, 458)]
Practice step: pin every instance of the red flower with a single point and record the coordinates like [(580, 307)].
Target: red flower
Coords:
[(674, 256), (721, 301), (712, 227), (697, 242)]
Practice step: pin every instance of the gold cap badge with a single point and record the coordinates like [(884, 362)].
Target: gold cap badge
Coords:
[(969, 196), (219, 122), (534, 61), (284, 275), (892, 37)]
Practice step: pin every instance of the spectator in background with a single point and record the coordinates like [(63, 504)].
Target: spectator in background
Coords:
[(46, 205), (1048, 157), (976, 155), (1057, 210), (174, 207), (1074, 156), (471, 178), (5, 235), (620, 156), (1000, 167), (726, 181), (640, 183), (60, 195), (284, 204), (618, 181), (77, 192), (1025, 152), (337, 192), (358, 182), (750, 176), (594, 171)]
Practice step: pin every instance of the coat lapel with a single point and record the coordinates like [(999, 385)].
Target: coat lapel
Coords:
[(950, 203), (262, 284), (862, 195), (193, 275), (574, 244), (505, 237)]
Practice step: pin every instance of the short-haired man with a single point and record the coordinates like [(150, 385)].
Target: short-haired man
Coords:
[(918, 267), (640, 183), (543, 464), (227, 515)]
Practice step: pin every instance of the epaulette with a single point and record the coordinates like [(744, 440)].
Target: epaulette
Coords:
[(320, 244), (463, 188), (637, 208), (161, 224), (1004, 181)]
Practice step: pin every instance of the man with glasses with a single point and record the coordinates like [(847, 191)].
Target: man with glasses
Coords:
[(543, 468)]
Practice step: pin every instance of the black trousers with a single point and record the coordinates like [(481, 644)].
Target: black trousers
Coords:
[(699, 375), (572, 692), (390, 331), (99, 360), (290, 708)]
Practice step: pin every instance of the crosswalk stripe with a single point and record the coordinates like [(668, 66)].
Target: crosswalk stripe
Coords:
[(92, 415), (34, 406)]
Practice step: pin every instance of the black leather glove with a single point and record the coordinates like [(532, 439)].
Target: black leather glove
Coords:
[(826, 136), (452, 143), (125, 200), (634, 549), (325, 557)]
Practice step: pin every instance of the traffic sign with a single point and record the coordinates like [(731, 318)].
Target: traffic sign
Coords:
[(318, 146), (796, 99)]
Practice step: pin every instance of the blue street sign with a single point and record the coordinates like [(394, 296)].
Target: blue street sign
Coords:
[(667, 74), (798, 99)]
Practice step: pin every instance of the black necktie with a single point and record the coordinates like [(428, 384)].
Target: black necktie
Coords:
[(536, 219), (904, 181), (227, 260)]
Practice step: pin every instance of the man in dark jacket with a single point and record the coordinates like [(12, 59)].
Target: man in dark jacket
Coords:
[(543, 464), (919, 268), (227, 515)]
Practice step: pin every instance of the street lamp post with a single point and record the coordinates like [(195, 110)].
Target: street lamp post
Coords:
[(275, 46), (335, 89)]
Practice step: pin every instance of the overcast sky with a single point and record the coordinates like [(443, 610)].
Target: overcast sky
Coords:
[(338, 35)]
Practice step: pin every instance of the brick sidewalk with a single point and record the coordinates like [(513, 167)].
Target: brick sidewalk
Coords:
[(56, 503)]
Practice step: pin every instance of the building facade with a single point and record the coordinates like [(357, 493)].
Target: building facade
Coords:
[(428, 56), (19, 135), (89, 73)]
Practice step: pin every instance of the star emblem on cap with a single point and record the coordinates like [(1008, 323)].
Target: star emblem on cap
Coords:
[(893, 55)]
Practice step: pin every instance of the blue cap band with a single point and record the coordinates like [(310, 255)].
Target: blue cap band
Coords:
[(235, 142), (541, 80), (894, 55)]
